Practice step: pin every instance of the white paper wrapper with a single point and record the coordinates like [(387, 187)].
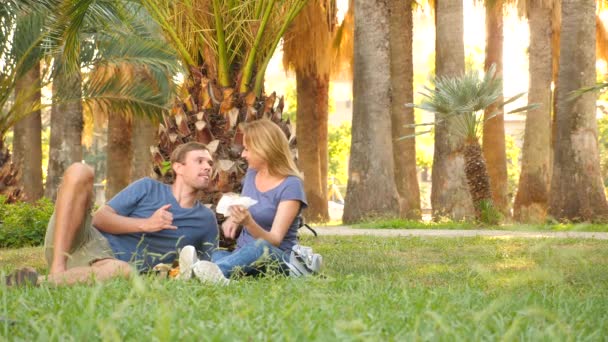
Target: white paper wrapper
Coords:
[(231, 199)]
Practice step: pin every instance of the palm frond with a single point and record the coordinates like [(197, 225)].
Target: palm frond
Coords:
[(459, 101), (123, 91)]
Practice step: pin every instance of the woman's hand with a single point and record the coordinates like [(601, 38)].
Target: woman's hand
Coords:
[(230, 228), (240, 215)]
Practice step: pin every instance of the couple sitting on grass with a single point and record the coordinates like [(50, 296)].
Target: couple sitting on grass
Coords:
[(148, 222)]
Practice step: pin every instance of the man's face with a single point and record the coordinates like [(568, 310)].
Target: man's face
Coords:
[(196, 169)]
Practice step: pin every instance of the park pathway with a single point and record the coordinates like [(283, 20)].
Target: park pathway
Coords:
[(503, 234)]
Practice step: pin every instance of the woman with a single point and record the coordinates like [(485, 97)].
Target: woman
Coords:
[(269, 226)]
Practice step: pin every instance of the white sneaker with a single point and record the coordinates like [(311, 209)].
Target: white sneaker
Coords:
[(208, 272), (187, 258)]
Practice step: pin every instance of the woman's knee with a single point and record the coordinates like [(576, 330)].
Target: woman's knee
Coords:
[(261, 243)]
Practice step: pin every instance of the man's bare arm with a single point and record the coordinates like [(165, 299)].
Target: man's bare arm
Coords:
[(108, 220)]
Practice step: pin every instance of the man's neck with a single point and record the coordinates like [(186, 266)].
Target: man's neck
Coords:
[(185, 195)]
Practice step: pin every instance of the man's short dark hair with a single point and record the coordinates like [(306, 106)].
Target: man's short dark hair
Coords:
[(179, 154)]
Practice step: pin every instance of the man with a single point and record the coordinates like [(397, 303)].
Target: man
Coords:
[(143, 225)]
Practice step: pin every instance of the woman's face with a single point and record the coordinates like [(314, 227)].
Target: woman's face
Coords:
[(253, 159)]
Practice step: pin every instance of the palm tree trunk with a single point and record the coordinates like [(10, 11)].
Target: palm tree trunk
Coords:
[(27, 144), (477, 175), (311, 131), (144, 136), (494, 150), (577, 192), (371, 189), (449, 193), (67, 122), (533, 190), (119, 152), (402, 79)]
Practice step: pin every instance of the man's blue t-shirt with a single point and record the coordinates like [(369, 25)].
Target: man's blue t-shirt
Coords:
[(196, 226), (263, 212)]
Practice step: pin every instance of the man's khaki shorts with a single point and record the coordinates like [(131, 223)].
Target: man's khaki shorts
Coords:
[(88, 245)]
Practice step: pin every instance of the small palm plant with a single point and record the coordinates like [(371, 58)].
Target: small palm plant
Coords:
[(460, 102)]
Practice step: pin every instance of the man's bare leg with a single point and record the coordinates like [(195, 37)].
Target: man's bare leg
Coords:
[(100, 271), (73, 200)]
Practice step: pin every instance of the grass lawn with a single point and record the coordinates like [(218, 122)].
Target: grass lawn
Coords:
[(373, 289)]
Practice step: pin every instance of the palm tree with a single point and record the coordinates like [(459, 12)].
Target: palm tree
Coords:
[(494, 148), (577, 192), (225, 46), (371, 189), (533, 189), (458, 102), (402, 85), (449, 194), (314, 28), (68, 28), (20, 53)]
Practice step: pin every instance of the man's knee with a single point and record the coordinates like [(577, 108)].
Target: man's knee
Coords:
[(79, 173), (113, 268)]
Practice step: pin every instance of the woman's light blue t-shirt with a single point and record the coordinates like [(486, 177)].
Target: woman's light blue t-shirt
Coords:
[(263, 212), (196, 226)]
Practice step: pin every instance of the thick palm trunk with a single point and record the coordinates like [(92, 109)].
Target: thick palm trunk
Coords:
[(449, 194), (144, 136), (119, 154), (494, 150), (477, 176), (371, 189), (27, 136), (9, 175), (311, 130), (66, 130), (533, 190), (402, 79), (577, 192)]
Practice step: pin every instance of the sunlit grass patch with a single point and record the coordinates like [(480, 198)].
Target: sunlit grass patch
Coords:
[(466, 225)]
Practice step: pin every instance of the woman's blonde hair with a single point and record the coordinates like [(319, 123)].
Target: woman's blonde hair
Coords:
[(264, 138)]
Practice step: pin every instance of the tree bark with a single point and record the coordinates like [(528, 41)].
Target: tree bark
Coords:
[(533, 190), (119, 152), (493, 144), (371, 189), (402, 83), (144, 136), (311, 130), (65, 147), (27, 146), (577, 192), (449, 193)]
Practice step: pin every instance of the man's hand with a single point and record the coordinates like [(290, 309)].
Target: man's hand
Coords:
[(161, 219), (230, 228)]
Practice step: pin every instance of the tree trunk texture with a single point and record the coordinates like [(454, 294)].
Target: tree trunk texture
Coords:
[(577, 192), (10, 186), (27, 144), (371, 189), (477, 175), (449, 193), (65, 147), (494, 149), (402, 83), (144, 136), (311, 132), (533, 190), (119, 154)]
